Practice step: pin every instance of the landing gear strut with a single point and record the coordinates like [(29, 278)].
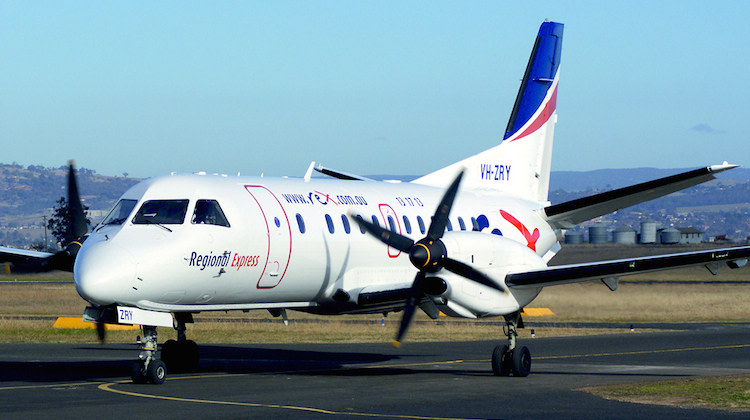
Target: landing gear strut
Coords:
[(148, 368), (181, 355), (509, 359)]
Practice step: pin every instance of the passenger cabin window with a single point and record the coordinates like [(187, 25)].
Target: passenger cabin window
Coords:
[(345, 222), (208, 212), (449, 226), (407, 225), (300, 223), (375, 220), (461, 223), (119, 214), (361, 227), (162, 212), (392, 224), (331, 228), (474, 224), (421, 224)]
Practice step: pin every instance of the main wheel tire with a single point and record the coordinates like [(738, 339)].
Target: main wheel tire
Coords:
[(170, 354), (191, 355), (521, 361), (156, 372), (136, 372), (501, 361)]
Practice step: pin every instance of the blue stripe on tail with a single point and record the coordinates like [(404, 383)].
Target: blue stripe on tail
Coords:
[(540, 72)]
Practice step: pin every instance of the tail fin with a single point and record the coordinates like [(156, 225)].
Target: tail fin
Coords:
[(520, 164)]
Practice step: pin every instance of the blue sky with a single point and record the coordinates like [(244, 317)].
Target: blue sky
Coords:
[(364, 87)]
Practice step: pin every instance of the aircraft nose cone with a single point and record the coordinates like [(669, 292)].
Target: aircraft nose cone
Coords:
[(103, 272)]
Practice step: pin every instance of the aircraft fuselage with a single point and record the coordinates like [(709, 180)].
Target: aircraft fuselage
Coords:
[(286, 243)]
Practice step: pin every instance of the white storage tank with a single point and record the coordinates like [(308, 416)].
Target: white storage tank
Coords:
[(573, 237), (597, 234), (648, 232), (624, 235), (670, 236)]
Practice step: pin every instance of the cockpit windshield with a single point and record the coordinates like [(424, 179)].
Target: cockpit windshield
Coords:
[(209, 212), (119, 214), (162, 212)]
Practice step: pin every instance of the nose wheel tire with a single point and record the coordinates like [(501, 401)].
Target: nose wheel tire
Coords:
[(156, 372), (137, 373)]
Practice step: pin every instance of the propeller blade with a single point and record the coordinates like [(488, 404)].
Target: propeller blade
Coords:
[(469, 272), (78, 225), (415, 295), (101, 332), (440, 220), (388, 237), (64, 260)]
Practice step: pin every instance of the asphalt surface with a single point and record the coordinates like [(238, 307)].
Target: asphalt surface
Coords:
[(329, 381)]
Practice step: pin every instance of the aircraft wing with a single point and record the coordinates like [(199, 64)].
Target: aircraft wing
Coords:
[(568, 214), (24, 257), (608, 270)]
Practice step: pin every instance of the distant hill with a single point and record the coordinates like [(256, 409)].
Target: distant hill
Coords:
[(35, 189)]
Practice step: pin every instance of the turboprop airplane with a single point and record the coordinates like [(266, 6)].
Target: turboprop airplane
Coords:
[(469, 240)]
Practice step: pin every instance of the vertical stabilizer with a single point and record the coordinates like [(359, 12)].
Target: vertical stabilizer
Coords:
[(520, 164)]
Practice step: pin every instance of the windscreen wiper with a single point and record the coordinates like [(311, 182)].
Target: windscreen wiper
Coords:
[(151, 222)]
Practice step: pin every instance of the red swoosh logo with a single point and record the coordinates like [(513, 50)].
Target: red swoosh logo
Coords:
[(531, 238)]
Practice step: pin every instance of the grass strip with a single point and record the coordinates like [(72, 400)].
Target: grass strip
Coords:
[(722, 392)]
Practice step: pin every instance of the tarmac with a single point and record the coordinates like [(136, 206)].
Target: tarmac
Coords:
[(446, 380)]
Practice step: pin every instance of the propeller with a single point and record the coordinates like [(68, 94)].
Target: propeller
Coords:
[(428, 255), (101, 332), (64, 260), (74, 238)]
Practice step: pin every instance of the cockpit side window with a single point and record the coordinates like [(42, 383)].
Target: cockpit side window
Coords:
[(119, 214), (163, 212), (209, 212)]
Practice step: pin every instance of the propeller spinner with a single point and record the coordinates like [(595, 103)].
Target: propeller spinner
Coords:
[(428, 255)]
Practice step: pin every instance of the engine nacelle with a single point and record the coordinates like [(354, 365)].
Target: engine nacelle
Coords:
[(495, 256)]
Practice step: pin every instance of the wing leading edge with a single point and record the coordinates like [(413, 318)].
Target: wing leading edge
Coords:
[(603, 270)]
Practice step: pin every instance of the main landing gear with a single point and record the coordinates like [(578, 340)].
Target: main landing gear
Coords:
[(509, 359), (179, 355)]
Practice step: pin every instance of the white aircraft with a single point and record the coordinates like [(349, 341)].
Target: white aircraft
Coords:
[(182, 244)]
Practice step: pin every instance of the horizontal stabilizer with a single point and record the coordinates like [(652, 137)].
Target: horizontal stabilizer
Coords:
[(568, 214), (340, 175), (574, 273)]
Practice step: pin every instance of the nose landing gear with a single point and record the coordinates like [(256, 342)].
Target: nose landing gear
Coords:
[(148, 368), (509, 359), (179, 355)]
